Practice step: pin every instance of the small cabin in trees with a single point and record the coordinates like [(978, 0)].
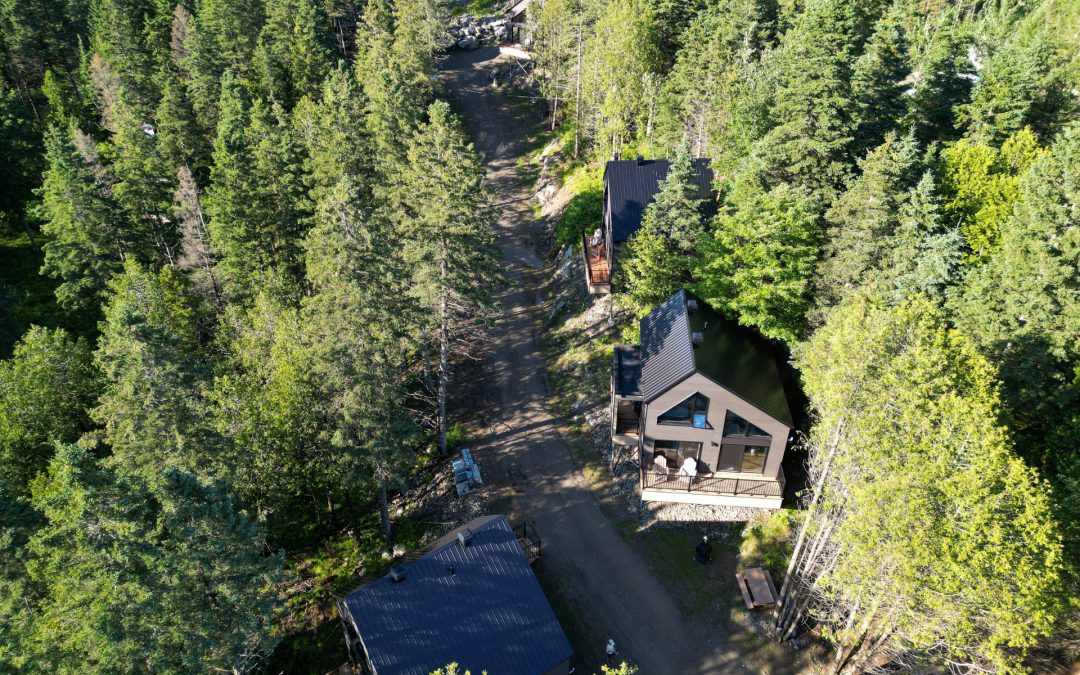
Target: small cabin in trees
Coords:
[(629, 187), (702, 400), (471, 599)]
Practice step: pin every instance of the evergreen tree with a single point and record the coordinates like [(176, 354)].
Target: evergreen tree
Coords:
[(256, 203), (221, 41), (179, 137), (268, 402), (924, 255), (166, 580), (759, 265), (942, 84), (810, 144), (864, 216), (1020, 308), (293, 54), (151, 410), (877, 82), (1020, 85), (659, 256), (20, 146), (440, 214), (87, 242), (45, 390)]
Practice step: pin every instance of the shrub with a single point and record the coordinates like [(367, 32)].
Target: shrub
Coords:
[(768, 542)]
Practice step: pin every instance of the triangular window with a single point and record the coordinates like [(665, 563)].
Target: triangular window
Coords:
[(737, 427), (692, 411)]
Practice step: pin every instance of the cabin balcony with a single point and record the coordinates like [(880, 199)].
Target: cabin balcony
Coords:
[(597, 267), (626, 396), (662, 484)]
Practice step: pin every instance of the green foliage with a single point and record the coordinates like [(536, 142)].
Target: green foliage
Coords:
[(174, 577), (1021, 311), (584, 212), (767, 542), (865, 216), (151, 409), (45, 390), (917, 480), (983, 184), (759, 263), (86, 243), (659, 257)]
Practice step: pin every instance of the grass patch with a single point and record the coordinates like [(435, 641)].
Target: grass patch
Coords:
[(768, 542)]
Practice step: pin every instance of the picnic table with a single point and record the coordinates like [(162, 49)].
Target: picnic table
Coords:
[(757, 587)]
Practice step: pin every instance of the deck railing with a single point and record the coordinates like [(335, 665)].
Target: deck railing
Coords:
[(627, 425), (738, 487)]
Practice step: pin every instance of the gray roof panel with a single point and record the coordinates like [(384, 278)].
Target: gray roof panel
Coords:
[(491, 615), (627, 370), (732, 355), (667, 354), (631, 187)]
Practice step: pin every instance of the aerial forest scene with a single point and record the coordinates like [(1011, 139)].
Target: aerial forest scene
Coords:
[(540, 336)]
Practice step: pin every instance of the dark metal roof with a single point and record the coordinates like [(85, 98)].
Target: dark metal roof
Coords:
[(627, 371), (630, 187), (734, 356), (491, 615), (667, 355)]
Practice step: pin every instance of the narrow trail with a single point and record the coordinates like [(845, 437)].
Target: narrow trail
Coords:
[(599, 576)]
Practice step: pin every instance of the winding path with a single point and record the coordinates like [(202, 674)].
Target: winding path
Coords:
[(602, 580)]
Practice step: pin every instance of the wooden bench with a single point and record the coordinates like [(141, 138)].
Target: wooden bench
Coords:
[(757, 587)]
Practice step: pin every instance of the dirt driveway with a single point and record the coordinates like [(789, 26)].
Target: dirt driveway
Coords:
[(593, 575)]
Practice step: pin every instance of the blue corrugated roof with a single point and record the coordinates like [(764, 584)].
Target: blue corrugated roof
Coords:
[(491, 615), (632, 186)]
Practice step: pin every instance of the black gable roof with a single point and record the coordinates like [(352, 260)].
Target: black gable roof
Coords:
[(631, 186), (732, 355)]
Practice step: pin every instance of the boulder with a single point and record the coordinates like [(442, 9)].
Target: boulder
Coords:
[(468, 42)]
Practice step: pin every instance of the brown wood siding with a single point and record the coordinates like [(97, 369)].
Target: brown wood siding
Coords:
[(720, 401)]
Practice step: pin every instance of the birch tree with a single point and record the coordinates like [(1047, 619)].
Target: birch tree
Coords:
[(928, 544)]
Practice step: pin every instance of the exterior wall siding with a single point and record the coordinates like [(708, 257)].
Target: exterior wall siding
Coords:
[(720, 401)]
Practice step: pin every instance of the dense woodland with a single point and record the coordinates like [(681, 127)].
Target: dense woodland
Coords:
[(899, 206), (268, 244)]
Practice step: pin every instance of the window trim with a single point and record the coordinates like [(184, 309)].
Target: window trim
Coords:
[(693, 411)]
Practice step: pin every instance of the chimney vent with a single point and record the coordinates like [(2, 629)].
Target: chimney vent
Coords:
[(452, 571), (465, 537), (397, 573), (691, 306), (697, 338), (640, 159)]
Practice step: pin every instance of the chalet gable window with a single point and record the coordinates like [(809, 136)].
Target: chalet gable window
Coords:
[(737, 427), (692, 411)]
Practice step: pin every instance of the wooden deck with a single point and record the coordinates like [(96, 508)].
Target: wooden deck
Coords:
[(597, 269), (736, 487)]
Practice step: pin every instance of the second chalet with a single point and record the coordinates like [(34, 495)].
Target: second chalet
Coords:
[(702, 401), (629, 187)]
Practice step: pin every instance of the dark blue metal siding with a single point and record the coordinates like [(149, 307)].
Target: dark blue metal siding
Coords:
[(492, 615)]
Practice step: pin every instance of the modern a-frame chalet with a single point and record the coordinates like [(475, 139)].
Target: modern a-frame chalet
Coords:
[(629, 187), (702, 400)]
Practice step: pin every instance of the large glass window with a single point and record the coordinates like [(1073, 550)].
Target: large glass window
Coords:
[(737, 427), (753, 458), (743, 458), (677, 452), (693, 411)]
